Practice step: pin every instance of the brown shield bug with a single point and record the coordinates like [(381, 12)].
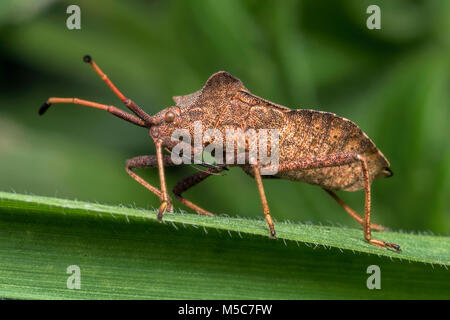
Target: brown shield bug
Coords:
[(315, 147)]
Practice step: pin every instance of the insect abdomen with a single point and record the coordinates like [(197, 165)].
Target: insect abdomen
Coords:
[(314, 134)]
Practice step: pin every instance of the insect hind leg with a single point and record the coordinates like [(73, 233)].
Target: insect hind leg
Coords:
[(352, 212), (340, 159)]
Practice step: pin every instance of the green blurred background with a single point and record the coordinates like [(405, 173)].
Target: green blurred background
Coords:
[(393, 82)]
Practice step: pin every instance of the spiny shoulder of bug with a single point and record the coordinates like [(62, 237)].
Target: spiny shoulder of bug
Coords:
[(203, 105)]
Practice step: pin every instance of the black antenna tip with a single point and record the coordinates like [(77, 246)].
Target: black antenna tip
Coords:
[(389, 172), (87, 58), (44, 108)]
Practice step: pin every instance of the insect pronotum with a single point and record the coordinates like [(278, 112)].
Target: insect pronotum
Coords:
[(315, 147)]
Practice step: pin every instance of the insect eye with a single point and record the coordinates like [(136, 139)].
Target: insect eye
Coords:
[(169, 116)]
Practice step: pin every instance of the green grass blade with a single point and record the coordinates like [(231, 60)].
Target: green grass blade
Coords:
[(126, 253)]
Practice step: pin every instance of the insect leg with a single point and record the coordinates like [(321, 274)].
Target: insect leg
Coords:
[(165, 200), (340, 159), (129, 103), (148, 162), (262, 195), (353, 213), (111, 109), (366, 226), (191, 181)]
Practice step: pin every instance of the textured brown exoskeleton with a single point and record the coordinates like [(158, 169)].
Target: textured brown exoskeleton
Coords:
[(315, 147)]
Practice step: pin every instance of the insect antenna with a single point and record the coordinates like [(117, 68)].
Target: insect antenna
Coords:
[(141, 118), (128, 102), (111, 109)]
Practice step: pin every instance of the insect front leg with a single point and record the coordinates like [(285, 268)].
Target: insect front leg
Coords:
[(166, 203), (340, 159), (149, 162)]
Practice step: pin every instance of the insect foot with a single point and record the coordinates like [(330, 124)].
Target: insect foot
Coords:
[(272, 234), (165, 206), (394, 246), (386, 245)]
